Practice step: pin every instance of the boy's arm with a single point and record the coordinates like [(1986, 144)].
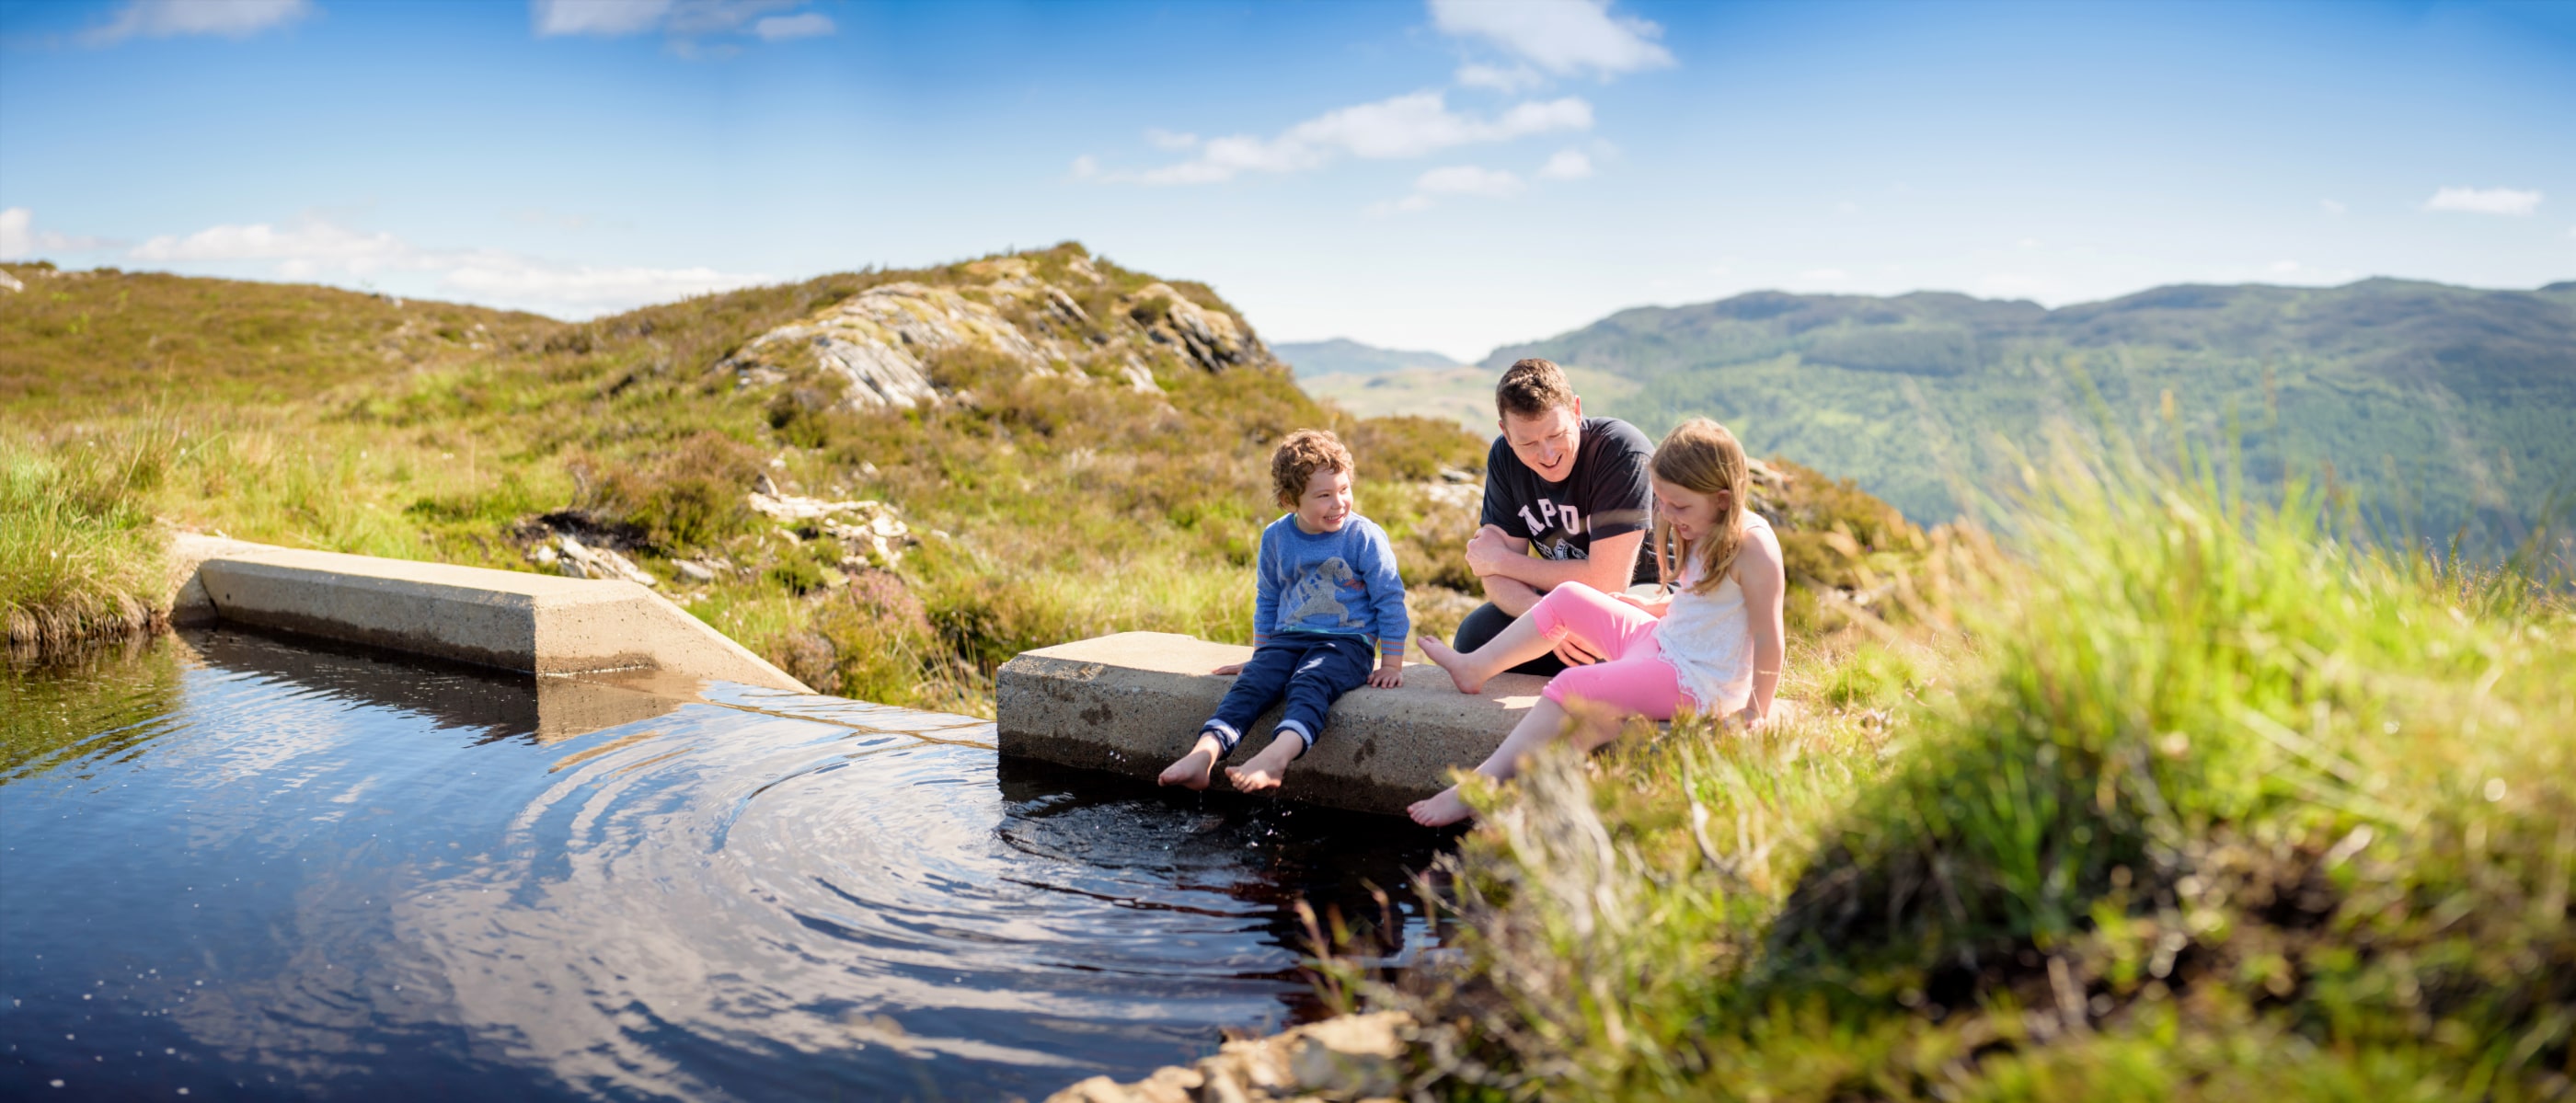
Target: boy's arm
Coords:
[(1386, 600)]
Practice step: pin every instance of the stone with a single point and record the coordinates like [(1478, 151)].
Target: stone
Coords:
[(1346, 1057), (10, 283), (578, 560), (1132, 702)]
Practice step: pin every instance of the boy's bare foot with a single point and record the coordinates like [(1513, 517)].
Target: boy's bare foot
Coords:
[(1447, 658), (1267, 769), (1440, 811), (1191, 771)]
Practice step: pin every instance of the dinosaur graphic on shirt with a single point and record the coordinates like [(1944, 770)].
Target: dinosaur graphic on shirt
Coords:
[(1317, 593)]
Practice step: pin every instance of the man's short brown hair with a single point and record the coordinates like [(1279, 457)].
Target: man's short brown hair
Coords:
[(1305, 452), (1532, 387)]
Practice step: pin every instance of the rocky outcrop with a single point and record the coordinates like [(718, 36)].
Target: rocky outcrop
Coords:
[(880, 348), (1348, 1057)]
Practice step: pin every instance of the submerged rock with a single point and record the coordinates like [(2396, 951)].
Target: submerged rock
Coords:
[(1348, 1057)]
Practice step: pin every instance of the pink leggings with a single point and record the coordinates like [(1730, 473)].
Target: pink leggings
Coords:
[(1634, 677)]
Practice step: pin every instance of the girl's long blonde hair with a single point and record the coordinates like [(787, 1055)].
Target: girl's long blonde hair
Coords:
[(1700, 456)]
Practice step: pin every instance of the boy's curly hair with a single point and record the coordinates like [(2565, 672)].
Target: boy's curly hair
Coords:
[(1305, 452)]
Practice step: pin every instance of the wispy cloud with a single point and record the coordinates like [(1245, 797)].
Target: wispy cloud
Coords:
[(1563, 37), (2332, 207), (780, 28), (313, 249), (1412, 125), (1515, 79), (682, 20), (1568, 164), (172, 18), (1166, 139), (2504, 201), (20, 240)]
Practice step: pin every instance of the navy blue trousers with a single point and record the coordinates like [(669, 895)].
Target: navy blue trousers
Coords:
[(1311, 671)]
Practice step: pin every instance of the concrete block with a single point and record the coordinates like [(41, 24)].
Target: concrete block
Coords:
[(1133, 702), (542, 624)]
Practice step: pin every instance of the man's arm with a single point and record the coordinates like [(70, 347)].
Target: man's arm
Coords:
[(1613, 563)]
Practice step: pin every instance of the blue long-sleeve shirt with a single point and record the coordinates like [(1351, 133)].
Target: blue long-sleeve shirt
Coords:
[(1336, 583)]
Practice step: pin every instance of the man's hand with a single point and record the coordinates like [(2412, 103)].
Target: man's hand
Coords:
[(1572, 650), (1389, 674), (1489, 549), (1229, 668)]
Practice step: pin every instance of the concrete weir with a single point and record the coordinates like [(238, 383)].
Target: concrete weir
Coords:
[(1130, 704), (539, 624)]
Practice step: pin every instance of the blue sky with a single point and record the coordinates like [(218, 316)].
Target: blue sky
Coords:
[(1449, 175)]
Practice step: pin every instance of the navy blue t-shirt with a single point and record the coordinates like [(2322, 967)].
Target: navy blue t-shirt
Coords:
[(1606, 494)]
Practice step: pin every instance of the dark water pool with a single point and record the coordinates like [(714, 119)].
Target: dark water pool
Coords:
[(250, 868)]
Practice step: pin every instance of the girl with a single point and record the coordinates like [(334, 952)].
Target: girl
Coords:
[(1713, 644)]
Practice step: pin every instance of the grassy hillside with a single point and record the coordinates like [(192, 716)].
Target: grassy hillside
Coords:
[(2439, 407), (2181, 799), (305, 416)]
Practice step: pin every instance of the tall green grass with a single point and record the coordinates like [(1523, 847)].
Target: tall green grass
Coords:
[(2181, 798)]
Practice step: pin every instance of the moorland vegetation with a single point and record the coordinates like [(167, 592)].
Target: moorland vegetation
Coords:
[(1092, 461), (2180, 797)]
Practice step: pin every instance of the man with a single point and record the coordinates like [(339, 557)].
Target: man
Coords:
[(1566, 500)]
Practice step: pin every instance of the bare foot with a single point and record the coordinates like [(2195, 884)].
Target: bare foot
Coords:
[(1267, 769), (1448, 658), (1440, 811), (1191, 771)]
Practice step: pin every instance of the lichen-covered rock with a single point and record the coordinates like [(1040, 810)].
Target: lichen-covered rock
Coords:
[(1345, 1058), (880, 348)]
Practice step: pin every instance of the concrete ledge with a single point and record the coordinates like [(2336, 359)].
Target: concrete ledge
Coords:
[(1132, 702), (541, 624)]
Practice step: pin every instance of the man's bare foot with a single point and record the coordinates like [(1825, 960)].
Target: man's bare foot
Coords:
[(1440, 811), (1267, 769), (1191, 771), (1459, 667)]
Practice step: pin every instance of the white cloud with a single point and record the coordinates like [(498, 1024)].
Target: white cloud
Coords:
[(681, 19), (1568, 164), (2506, 201), (170, 18), (1499, 79), (316, 249), (1086, 167), (1468, 180), (20, 240), (600, 17), (1404, 126), (1167, 139), (1559, 36), (2332, 207), (1823, 275), (780, 28), (2285, 267)]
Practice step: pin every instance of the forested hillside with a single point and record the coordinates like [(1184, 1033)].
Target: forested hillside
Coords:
[(2438, 407)]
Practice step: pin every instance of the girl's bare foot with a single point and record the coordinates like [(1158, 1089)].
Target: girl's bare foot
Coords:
[(1267, 769), (1460, 669), (1440, 811), (1191, 771)]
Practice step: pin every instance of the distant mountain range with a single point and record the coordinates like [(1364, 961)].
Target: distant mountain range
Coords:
[(1342, 356), (2437, 406)]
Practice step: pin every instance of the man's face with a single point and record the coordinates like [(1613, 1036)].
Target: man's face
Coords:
[(1546, 443)]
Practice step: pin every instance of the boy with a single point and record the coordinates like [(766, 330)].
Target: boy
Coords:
[(1327, 597)]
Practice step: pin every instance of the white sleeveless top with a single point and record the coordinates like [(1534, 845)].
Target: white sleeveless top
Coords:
[(1709, 639)]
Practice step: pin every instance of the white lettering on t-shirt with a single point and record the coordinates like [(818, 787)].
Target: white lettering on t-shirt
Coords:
[(1573, 520), (1534, 527)]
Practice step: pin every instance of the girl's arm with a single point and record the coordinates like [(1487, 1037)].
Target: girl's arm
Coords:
[(1758, 571)]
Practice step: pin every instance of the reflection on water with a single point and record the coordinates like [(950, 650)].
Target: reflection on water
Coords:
[(255, 868)]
